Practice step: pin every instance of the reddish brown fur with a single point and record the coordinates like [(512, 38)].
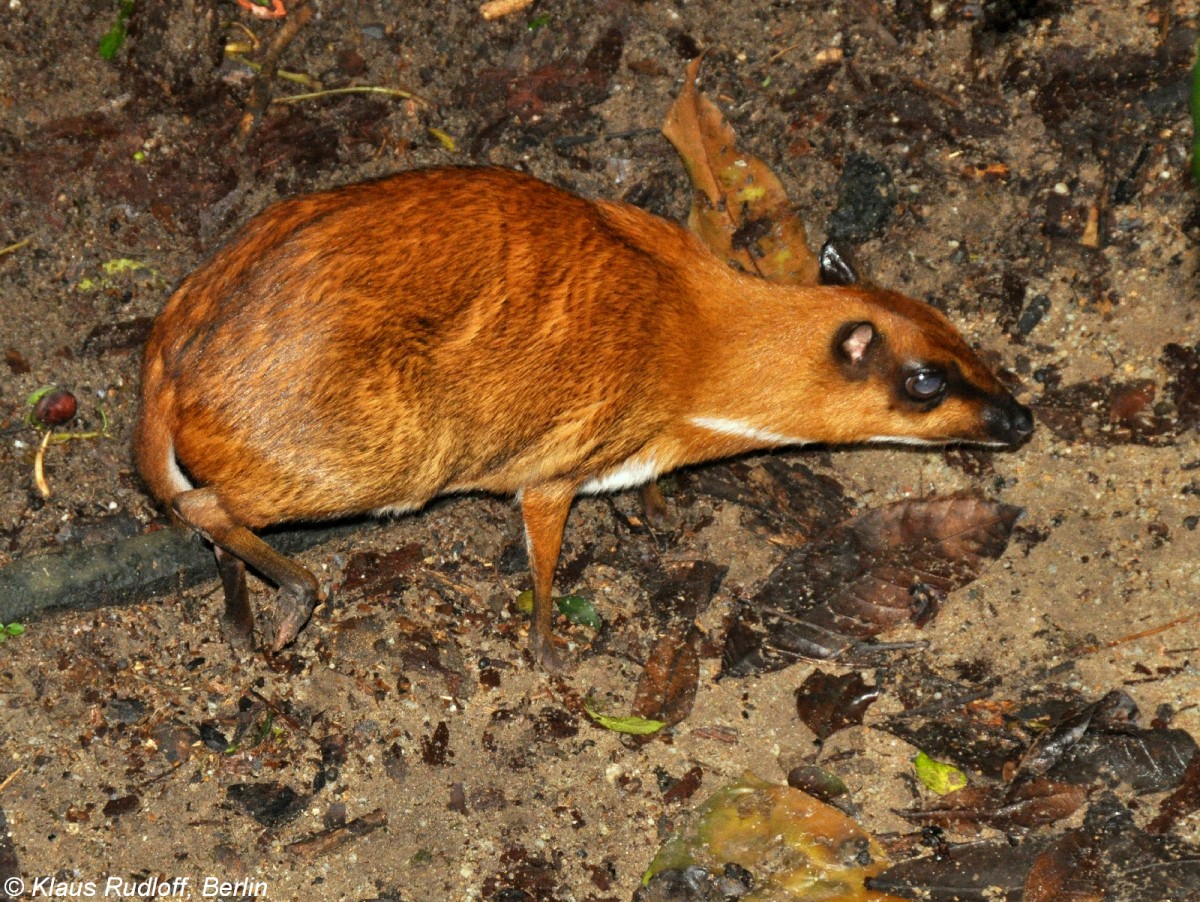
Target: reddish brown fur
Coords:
[(448, 330)]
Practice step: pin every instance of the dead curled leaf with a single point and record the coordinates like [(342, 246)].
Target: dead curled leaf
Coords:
[(740, 210), (877, 570), (667, 689)]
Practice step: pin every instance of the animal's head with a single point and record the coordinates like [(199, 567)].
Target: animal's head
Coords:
[(912, 378)]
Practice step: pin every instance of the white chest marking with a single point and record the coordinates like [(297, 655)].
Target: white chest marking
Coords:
[(742, 429), (634, 472)]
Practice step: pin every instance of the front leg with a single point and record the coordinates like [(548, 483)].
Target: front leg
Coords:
[(544, 509)]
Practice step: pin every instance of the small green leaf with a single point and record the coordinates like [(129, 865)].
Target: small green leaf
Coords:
[(1196, 119), (575, 608), (112, 41), (115, 36), (37, 394), (638, 726), (15, 629), (539, 22), (938, 777), (579, 611), (120, 265)]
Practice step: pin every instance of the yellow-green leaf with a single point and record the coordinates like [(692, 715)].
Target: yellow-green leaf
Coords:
[(937, 776), (638, 726)]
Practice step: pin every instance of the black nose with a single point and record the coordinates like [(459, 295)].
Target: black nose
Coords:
[(1009, 422)]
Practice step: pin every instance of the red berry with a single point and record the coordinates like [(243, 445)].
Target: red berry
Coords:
[(55, 408)]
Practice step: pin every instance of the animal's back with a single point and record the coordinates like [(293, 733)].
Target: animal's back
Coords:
[(378, 344)]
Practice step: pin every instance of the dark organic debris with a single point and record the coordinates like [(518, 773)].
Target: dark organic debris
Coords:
[(271, 804), (1148, 760), (1185, 800), (435, 749), (687, 591), (1038, 307), (175, 740), (975, 872), (213, 737), (1183, 386), (17, 364), (828, 703), (823, 785), (1102, 741), (121, 336), (787, 502), (1105, 412), (10, 867), (1109, 858), (122, 805), (866, 197), (685, 787), (525, 877), (370, 574), (556, 93), (697, 884), (174, 52)]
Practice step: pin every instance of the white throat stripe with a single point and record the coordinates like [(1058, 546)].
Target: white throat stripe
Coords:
[(742, 429)]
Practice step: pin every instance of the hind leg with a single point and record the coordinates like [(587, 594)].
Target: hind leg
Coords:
[(237, 623), (298, 591)]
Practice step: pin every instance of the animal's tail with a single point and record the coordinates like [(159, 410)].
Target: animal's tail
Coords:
[(153, 443)]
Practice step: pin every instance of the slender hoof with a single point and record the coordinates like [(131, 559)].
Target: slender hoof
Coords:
[(292, 612), (544, 652), (658, 510), (237, 632)]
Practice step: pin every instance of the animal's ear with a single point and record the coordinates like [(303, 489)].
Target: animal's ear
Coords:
[(839, 266), (853, 341)]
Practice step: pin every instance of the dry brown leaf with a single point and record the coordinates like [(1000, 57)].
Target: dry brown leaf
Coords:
[(880, 569), (740, 210), (669, 681), (1023, 805)]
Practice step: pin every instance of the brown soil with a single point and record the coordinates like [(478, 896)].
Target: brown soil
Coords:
[(412, 693)]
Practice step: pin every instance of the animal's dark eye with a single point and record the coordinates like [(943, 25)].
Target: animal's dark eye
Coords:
[(925, 385)]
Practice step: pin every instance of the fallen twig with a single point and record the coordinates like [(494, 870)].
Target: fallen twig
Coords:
[(14, 247), (328, 840), (260, 93), (7, 781), (363, 89)]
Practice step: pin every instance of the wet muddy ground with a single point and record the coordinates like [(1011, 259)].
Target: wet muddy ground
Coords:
[(1027, 166)]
